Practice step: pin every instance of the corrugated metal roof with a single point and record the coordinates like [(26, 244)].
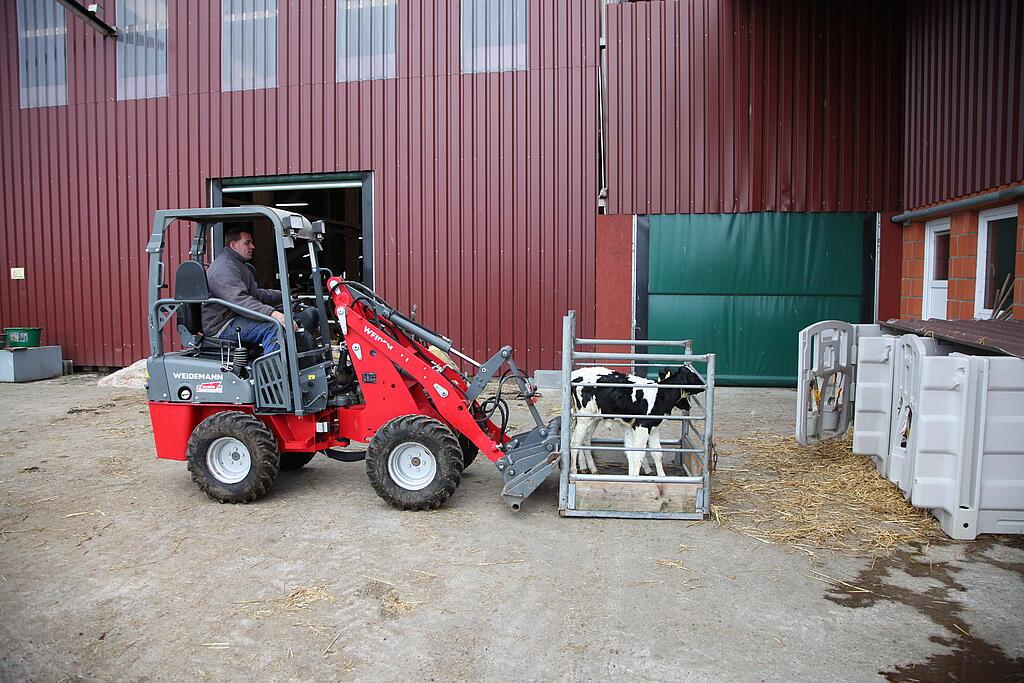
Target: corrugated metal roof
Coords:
[(1000, 336)]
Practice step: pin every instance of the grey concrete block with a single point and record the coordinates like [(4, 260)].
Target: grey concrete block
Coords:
[(27, 365)]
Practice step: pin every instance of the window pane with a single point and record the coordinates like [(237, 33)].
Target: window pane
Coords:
[(941, 269), (999, 262), (493, 35), (366, 39), (141, 49), (42, 56), (248, 50)]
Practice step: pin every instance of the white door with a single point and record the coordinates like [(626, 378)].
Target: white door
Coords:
[(872, 414), (824, 376), (936, 269)]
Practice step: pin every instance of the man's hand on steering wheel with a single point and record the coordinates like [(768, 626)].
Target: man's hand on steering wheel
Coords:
[(279, 317)]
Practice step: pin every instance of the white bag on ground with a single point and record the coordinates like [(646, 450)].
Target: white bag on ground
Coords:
[(132, 377)]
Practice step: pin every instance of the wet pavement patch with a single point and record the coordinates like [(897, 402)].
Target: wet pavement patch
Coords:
[(969, 657)]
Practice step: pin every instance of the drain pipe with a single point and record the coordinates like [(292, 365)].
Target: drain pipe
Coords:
[(602, 112), (960, 204)]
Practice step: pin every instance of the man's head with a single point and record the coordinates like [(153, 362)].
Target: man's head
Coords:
[(239, 240)]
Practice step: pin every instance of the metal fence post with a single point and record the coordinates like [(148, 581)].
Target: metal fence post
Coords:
[(709, 430), (568, 346)]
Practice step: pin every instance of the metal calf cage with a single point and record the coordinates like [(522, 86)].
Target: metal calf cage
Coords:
[(685, 491)]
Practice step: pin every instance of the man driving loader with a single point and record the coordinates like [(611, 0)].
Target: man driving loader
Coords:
[(232, 278)]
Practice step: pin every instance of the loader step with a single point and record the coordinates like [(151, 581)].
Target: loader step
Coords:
[(345, 456)]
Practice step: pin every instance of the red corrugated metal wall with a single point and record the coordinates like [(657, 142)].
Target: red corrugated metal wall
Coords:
[(964, 114), (746, 105), (485, 184)]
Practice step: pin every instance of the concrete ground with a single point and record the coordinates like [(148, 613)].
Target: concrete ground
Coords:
[(113, 566)]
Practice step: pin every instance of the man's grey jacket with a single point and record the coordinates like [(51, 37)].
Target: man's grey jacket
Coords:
[(234, 280)]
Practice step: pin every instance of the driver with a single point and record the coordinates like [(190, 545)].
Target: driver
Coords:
[(233, 279)]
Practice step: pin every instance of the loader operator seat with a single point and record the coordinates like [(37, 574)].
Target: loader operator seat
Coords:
[(192, 287)]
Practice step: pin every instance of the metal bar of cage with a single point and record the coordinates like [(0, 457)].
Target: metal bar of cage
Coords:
[(694, 438), (611, 416), (568, 333), (623, 449), (596, 364), (641, 386), (686, 343), (615, 442), (692, 516), (625, 478), (681, 358)]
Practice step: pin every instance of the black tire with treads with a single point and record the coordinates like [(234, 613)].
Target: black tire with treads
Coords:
[(469, 451), (436, 438), (295, 461), (258, 440)]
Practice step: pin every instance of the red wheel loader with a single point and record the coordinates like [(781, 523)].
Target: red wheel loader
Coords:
[(348, 367)]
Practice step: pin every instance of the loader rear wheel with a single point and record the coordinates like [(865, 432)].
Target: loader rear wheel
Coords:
[(469, 451), (233, 457), (414, 463), (295, 461)]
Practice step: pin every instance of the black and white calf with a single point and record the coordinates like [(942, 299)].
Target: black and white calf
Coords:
[(648, 400)]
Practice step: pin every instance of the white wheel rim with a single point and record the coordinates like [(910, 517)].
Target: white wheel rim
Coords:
[(412, 466), (228, 460)]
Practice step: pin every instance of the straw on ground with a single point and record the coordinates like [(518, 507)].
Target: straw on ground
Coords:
[(810, 498)]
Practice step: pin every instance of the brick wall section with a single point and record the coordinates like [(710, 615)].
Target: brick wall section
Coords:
[(963, 265), (1018, 283), (912, 276)]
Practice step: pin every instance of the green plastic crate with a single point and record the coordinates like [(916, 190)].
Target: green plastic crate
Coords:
[(22, 337)]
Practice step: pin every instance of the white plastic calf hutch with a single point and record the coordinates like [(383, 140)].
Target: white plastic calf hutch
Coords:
[(947, 428), (685, 491)]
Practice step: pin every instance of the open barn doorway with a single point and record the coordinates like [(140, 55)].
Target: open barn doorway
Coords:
[(342, 201)]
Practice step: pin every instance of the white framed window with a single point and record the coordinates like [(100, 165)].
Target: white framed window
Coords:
[(493, 35), (42, 54), (366, 39), (248, 44), (141, 49), (997, 254)]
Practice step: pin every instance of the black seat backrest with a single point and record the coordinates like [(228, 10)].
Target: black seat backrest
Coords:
[(190, 284)]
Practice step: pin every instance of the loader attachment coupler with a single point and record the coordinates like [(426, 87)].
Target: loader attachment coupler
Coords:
[(529, 458)]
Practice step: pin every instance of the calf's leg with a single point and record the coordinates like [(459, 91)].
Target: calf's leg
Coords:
[(655, 443), (587, 439), (638, 439), (583, 459)]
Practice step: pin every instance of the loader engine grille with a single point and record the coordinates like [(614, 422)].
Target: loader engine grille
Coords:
[(271, 383)]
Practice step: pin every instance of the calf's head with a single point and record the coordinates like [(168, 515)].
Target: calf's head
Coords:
[(676, 398)]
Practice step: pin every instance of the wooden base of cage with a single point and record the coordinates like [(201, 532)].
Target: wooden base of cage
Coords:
[(639, 496)]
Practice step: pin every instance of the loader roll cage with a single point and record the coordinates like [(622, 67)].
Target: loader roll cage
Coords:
[(288, 228)]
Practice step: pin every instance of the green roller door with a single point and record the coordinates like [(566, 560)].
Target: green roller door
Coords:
[(743, 285)]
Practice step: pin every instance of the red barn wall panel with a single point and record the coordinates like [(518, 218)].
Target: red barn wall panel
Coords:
[(484, 184), (744, 105), (614, 314), (964, 117)]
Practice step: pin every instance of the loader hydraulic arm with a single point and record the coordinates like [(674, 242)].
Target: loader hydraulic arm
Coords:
[(384, 351)]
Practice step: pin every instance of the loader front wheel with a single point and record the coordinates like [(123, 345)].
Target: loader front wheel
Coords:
[(233, 457), (414, 462)]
